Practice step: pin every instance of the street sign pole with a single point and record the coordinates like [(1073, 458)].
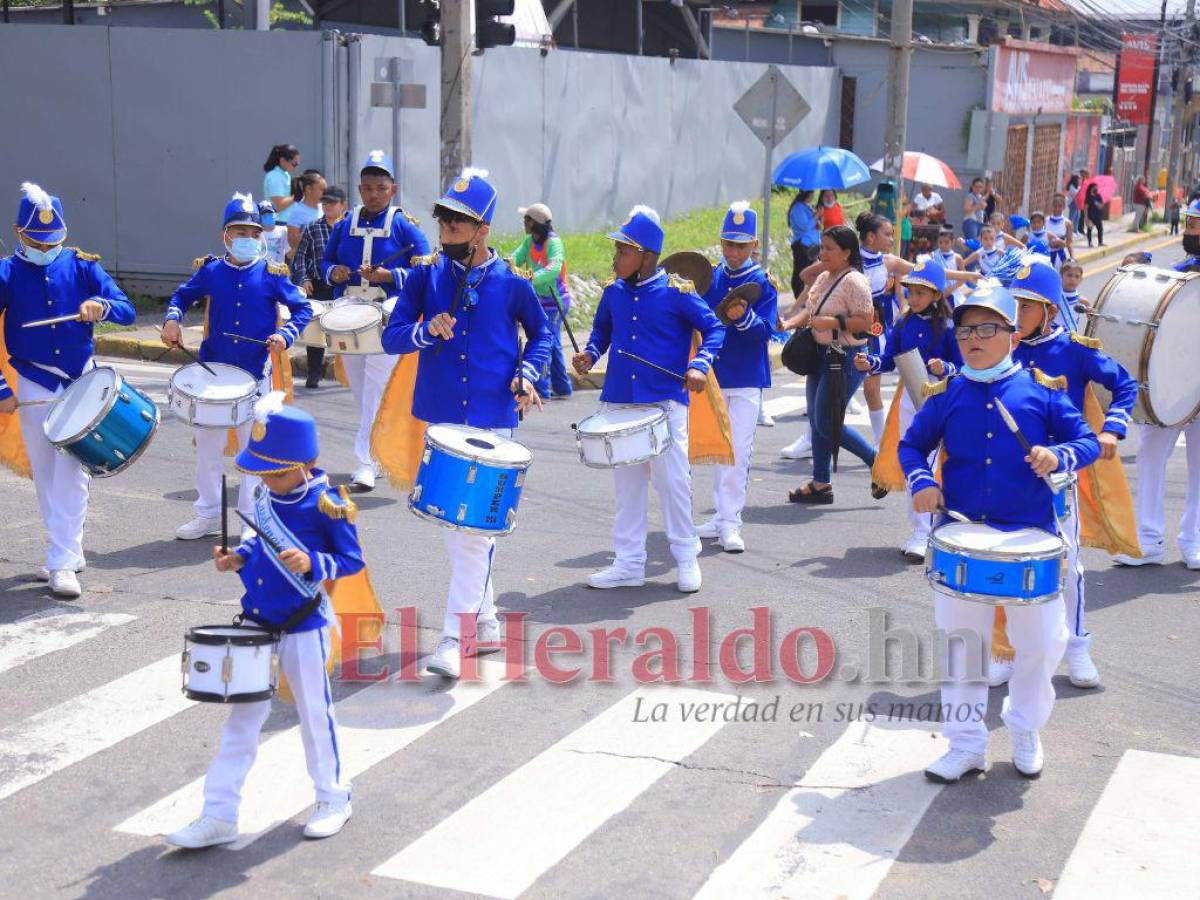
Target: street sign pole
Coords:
[(765, 240)]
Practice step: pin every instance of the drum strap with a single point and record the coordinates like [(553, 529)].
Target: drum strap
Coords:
[(267, 520), (369, 234)]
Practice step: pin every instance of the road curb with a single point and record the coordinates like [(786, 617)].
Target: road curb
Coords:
[(1130, 241)]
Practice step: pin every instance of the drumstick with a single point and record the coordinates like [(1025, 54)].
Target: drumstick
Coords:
[(521, 392), (956, 516), (224, 516), (1013, 427), (274, 547), (25, 403), (655, 366), (73, 317), (242, 337), (190, 355), (387, 259), (570, 334)]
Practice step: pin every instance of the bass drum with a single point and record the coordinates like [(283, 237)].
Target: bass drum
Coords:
[(1148, 319)]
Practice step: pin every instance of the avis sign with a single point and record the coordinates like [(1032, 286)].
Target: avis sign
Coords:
[(1028, 82), (1135, 84)]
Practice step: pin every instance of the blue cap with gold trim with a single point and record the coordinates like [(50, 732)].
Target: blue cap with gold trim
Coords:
[(989, 294), (40, 216), (929, 273), (240, 210), (741, 223), (379, 159), (641, 230), (1037, 280), (472, 195), (282, 438)]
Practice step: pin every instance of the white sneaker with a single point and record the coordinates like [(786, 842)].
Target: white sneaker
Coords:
[(1081, 670), (486, 633), (914, 549), (855, 408), (708, 530), (64, 583), (954, 765), (765, 419), (43, 574), (199, 527), (1191, 558), (615, 577), (204, 832), (689, 580), (1154, 558), (364, 478), (445, 658), (998, 672), (801, 448), (327, 819), (732, 542), (1027, 752)]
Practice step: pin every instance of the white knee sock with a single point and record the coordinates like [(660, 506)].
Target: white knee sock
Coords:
[(878, 420)]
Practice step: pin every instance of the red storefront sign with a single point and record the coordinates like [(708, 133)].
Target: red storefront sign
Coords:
[(1027, 81), (1135, 80)]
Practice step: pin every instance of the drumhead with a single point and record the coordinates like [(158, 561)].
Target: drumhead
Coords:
[(1174, 385), (621, 418), (351, 317), (476, 443), (229, 382), (389, 305), (78, 407), (977, 537), (244, 636)]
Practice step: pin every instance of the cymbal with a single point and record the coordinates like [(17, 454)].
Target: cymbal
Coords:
[(690, 265), (750, 292)]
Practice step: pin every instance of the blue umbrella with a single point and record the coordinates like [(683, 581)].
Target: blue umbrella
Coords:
[(818, 168)]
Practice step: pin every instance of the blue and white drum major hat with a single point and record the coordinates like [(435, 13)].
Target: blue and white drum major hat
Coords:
[(642, 230), (240, 210), (741, 223), (471, 194), (40, 216), (283, 438), (928, 272), (1037, 280), (379, 159), (989, 295)]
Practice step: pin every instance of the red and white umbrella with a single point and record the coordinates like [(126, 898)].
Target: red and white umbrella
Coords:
[(925, 169)]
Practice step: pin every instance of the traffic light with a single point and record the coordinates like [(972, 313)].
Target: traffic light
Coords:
[(489, 31)]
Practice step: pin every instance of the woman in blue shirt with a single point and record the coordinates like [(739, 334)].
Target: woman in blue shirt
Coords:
[(806, 236), (283, 160)]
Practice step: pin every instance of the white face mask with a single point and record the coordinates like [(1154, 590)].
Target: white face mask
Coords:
[(41, 257)]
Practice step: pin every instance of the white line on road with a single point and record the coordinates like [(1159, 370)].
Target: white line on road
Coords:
[(89, 723), (45, 633), (781, 406), (1142, 835), (373, 724), (837, 833), (502, 841)]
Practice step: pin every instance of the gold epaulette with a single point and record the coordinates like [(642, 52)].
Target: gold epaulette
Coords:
[(774, 281), (1057, 383), (933, 388), (681, 284), (1090, 342), (277, 268), (427, 260), (612, 279), (345, 510), (202, 261), (412, 220), (82, 254)]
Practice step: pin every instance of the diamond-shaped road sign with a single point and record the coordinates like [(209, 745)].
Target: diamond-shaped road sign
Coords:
[(755, 106)]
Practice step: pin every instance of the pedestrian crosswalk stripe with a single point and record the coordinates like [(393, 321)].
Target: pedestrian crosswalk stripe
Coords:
[(63, 735), (1142, 835), (503, 840), (372, 725), (26, 640), (781, 406), (837, 833)]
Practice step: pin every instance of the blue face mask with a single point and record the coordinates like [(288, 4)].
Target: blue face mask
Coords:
[(246, 249), (40, 257), (991, 373)]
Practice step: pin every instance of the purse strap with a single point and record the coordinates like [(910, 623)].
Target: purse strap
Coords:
[(825, 299)]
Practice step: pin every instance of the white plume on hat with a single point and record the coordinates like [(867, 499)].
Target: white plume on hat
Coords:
[(647, 212), (268, 405), (471, 172), (739, 206), (247, 200), (35, 195)]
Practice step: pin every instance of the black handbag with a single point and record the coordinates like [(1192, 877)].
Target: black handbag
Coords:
[(801, 354)]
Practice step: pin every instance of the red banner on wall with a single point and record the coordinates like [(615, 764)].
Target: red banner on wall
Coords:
[(1028, 80), (1135, 80)]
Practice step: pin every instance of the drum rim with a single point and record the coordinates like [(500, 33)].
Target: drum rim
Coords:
[(431, 439), (171, 388), (629, 462), (377, 323), (118, 381), (629, 429), (244, 697), (936, 543), (469, 529), (256, 636)]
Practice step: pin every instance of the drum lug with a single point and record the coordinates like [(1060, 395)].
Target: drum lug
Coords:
[(1153, 325), (472, 473), (462, 512), (1027, 579), (608, 449), (185, 662), (123, 396), (436, 511), (960, 573), (509, 518), (653, 441), (147, 416), (97, 437), (227, 669), (274, 669), (417, 491), (520, 482), (121, 456), (426, 455)]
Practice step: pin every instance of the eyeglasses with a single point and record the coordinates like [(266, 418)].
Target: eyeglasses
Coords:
[(985, 330)]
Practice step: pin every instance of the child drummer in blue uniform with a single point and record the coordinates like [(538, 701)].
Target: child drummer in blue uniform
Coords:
[(1059, 352), (461, 310), (242, 290), (311, 526), (649, 314), (742, 367), (990, 479), (42, 280)]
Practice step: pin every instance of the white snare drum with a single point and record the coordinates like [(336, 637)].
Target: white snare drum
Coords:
[(230, 664), (355, 328), (622, 436), (312, 335), (225, 400), (1147, 319), (365, 293), (389, 307)]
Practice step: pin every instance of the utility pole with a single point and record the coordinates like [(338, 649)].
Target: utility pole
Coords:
[(1177, 100), (897, 100), (457, 44), (1158, 58)]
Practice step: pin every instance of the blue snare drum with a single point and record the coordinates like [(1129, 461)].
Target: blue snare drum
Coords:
[(470, 479), (977, 562), (102, 421)]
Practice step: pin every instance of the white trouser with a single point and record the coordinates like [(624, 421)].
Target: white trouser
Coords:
[(302, 658), (1154, 449), (672, 477), (59, 480), (730, 483), (922, 523), (368, 374), (1037, 633), (210, 464), (1078, 635), (471, 558)]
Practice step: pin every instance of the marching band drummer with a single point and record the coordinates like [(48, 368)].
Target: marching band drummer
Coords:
[(644, 302), (242, 290), (1056, 351), (742, 367), (44, 279), (374, 245), (471, 304), (988, 478), (1155, 445), (312, 527)]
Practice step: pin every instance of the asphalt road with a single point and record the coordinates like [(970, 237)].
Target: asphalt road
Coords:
[(538, 789)]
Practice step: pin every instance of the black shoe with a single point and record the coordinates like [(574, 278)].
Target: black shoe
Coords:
[(812, 495), (313, 380)]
